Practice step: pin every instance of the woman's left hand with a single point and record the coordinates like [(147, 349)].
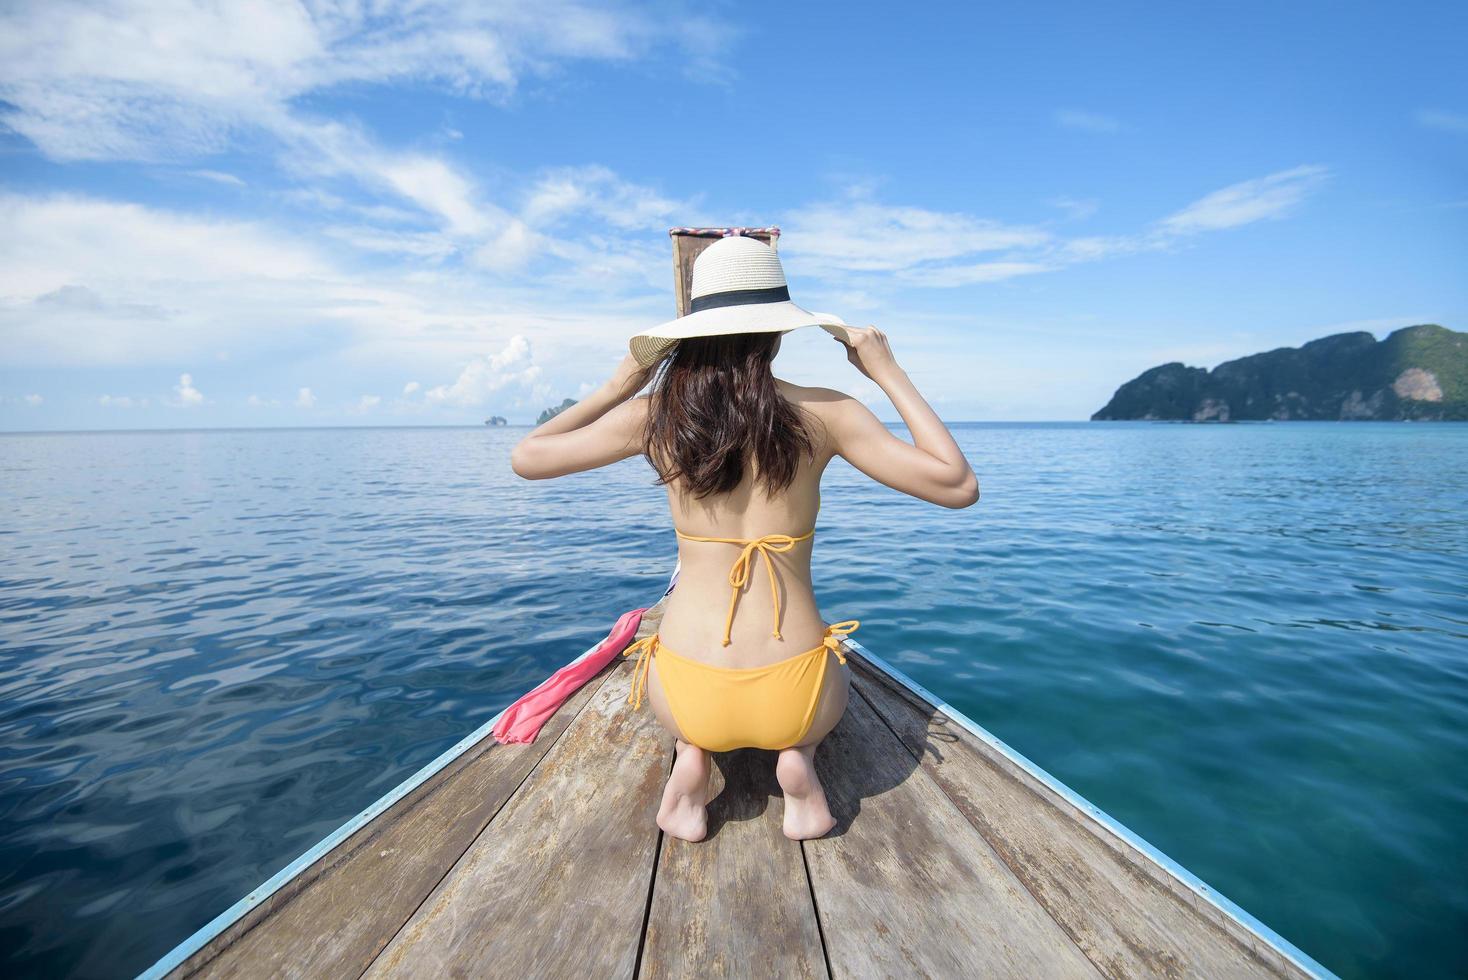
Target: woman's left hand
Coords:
[(630, 377)]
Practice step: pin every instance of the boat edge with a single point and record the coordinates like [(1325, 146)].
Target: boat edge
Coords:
[(1202, 889), (1288, 950), (180, 953)]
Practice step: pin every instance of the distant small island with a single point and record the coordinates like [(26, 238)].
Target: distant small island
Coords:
[(1417, 373), (551, 413), (496, 420)]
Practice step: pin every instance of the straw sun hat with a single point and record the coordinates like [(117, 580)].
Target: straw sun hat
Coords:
[(738, 287)]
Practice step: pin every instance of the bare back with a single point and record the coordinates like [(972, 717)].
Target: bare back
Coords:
[(610, 426), (694, 619)]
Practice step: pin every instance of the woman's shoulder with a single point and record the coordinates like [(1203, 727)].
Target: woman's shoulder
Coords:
[(836, 410), (814, 398)]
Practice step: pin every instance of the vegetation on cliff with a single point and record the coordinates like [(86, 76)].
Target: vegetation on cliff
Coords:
[(1417, 373)]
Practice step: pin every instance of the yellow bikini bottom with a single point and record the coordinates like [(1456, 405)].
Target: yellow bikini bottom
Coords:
[(724, 708)]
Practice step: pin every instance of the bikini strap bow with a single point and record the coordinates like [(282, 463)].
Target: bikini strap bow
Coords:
[(739, 572), (644, 648), (834, 634)]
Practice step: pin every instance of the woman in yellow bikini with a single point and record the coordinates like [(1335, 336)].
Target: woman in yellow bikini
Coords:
[(741, 454)]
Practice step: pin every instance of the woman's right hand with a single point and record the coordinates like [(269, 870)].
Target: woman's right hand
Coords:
[(869, 352)]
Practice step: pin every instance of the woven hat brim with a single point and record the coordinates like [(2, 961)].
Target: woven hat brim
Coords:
[(650, 345)]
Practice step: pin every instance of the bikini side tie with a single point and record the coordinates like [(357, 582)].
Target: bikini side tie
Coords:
[(739, 574), (834, 634), (644, 648)]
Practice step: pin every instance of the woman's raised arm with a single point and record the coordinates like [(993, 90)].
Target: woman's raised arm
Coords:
[(603, 428), (934, 469)]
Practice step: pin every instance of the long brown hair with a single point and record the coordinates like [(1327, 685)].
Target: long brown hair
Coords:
[(714, 403)]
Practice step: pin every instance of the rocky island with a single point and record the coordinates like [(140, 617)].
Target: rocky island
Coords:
[(1417, 373), (555, 410)]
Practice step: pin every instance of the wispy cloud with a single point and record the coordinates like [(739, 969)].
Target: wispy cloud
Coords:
[(217, 176), (859, 238), (122, 401), (1452, 122), (1088, 122), (861, 235), (968, 275), (1074, 208), (1248, 201)]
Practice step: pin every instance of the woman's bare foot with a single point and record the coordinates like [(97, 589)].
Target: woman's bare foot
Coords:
[(806, 812), (684, 810)]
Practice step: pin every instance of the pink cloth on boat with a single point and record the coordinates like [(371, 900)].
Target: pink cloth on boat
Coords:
[(523, 720)]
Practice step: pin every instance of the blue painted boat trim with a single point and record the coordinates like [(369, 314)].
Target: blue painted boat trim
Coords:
[(1281, 945), (229, 916)]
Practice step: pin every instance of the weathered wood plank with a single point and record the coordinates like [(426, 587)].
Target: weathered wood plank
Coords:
[(737, 903), (1107, 896), (558, 882), (687, 248), (335, 917), (905, 886)]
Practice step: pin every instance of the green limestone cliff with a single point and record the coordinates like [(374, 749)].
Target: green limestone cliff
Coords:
[(1417, 372)]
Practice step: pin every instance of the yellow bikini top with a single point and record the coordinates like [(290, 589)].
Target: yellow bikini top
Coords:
[(739, 574)]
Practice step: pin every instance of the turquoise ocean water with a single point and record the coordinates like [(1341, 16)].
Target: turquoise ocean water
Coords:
[(1249, 643)]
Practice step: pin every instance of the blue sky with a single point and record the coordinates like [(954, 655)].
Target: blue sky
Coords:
[(303, 214)]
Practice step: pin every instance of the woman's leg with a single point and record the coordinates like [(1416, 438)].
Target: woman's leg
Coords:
[(807, 813), (684, 810)]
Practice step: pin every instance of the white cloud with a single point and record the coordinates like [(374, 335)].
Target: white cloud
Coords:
[(255, 401), (438, 188), (485, 376), (305, 399), (121, 401), (219, 177), (411, 387), (1090, 248), (32, 400), (175, 81), (1270, 197), (430, 245), (84, 280), (153, 81), (87, 282), (367, 403), (1453, 122), (1090, 122), (1247, 201), (597, 191), (862, 235), (1075, 208), (967, 275), (185, 393), (841, 241), (501, 238)]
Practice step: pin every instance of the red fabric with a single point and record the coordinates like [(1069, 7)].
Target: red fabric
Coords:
[(523, 720)]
